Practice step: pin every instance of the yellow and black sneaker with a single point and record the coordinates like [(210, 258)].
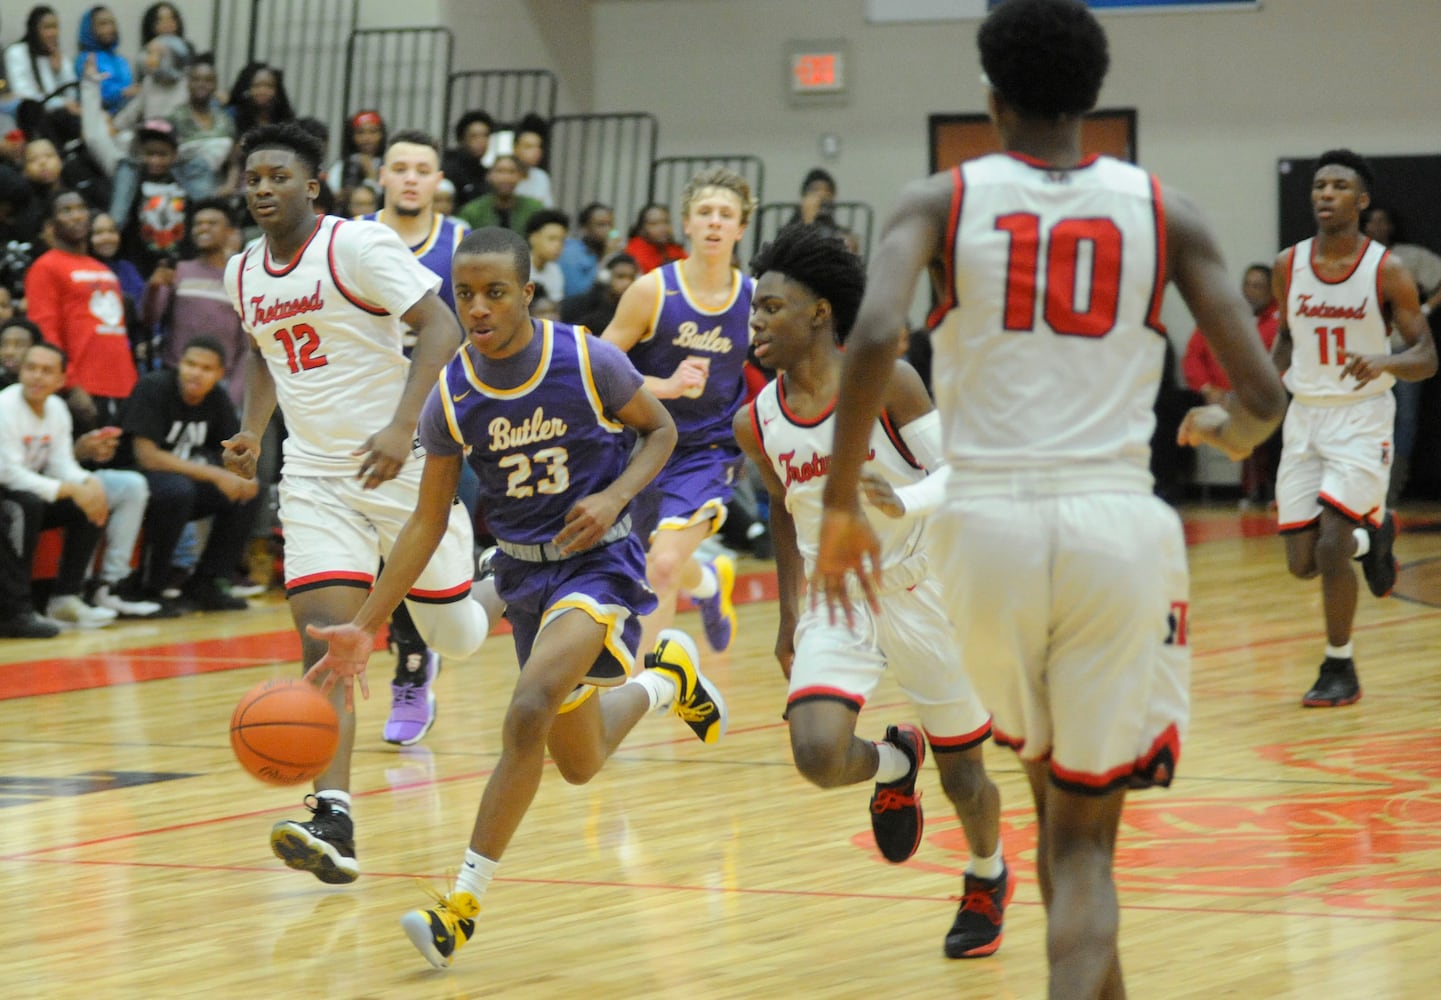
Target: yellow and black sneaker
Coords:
[(324, 845), (438, 932), (698, 702)]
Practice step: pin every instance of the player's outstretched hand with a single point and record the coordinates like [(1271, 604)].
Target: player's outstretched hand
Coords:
[(345, 661), (586, 523), (848, 545), (241, 453), (1205, 425), (1365, 367), (383, 455)]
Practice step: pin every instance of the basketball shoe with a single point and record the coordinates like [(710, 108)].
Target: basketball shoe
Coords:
[(896, 817), (976, 931), (698, 703), (438, 932), (412, 697), (323, 845), (717, 613), (1336, 685), (1379, 562)]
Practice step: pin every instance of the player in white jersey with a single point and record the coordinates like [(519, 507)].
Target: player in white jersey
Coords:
[(1337, 289), (808, 287), (409, 177), (1064, 576), (326, 303)]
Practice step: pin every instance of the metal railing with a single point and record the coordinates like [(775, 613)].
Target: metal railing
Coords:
[(507, 95), (402, 73), (602, 157), (670, 174)]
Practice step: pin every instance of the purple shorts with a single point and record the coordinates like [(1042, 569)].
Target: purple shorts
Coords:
[(607, 583), (695, 486)]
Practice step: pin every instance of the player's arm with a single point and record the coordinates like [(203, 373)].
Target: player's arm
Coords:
[(919, 425), (351, 644), (437, 336), (633, 315), (790, 567), (1249, 416), (587, 522), (1418, 361), (1281, 347), (242, 451), (912, 238)]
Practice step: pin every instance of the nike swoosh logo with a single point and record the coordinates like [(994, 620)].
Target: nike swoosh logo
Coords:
[(457, 399)]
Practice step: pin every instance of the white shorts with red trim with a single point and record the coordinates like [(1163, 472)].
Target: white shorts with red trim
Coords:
[(336, 533), (913, 638), (1071, 612), (1337, 456)]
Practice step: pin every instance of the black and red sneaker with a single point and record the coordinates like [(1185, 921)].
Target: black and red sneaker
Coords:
[(976, 931), (896, 818), (1336, 685)]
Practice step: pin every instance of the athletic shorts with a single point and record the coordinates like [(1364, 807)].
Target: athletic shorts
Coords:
[(336, 534), (911, 635), (695, 486), (1336, 456), (1071, 613), (607, 583)]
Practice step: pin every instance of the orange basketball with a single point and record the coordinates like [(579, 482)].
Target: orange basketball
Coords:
[(284, 731)]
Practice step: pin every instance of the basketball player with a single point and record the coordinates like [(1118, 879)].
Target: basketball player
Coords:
[(684, 326), (808, 287), (1333, 347), (326, 302), (409, 176), (545, 413), (1065, 577)]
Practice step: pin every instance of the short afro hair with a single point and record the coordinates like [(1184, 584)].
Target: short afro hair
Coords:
[(813, 256), (289, 136), (1351, 161), (496, 239), (1045, 58)]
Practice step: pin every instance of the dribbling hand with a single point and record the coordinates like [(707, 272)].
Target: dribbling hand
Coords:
[(344, 661)]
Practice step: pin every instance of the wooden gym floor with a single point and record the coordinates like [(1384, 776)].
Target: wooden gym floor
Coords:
[(1297, 855)]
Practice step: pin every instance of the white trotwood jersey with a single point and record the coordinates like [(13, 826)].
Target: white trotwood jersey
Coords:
[(1050, 347), (1330, 320), (800, 454), (328, 325)]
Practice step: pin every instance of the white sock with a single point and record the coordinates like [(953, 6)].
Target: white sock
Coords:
[(709, 586), (475, 874), (339, 800), (893, 764), (659, 686), (1363, 541), (1340, 652), (988, 868)]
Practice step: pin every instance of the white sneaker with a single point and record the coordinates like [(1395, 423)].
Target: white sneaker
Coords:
[(69, 609), (105, 597)]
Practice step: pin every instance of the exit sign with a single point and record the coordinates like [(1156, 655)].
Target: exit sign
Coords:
[(816, 72)]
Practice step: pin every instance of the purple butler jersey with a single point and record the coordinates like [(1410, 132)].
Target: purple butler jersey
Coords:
[(681, 329), (539, 427)]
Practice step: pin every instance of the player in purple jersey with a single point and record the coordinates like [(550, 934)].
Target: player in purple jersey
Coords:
[(686, 328), (546, 413), (409, 177)]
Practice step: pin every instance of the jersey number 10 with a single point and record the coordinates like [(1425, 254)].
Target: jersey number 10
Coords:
[(1065, 312)]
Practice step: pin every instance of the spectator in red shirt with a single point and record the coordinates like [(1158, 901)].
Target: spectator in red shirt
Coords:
[(1205, 375), (652, 241), (77, 303)]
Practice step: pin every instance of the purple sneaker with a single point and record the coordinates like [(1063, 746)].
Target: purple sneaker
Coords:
[(412, 699), (717, 613)]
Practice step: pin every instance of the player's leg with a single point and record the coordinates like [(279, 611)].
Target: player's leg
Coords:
[(671, 568), (556, 661), (324, 845), (1083, 918), (926, 661)]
